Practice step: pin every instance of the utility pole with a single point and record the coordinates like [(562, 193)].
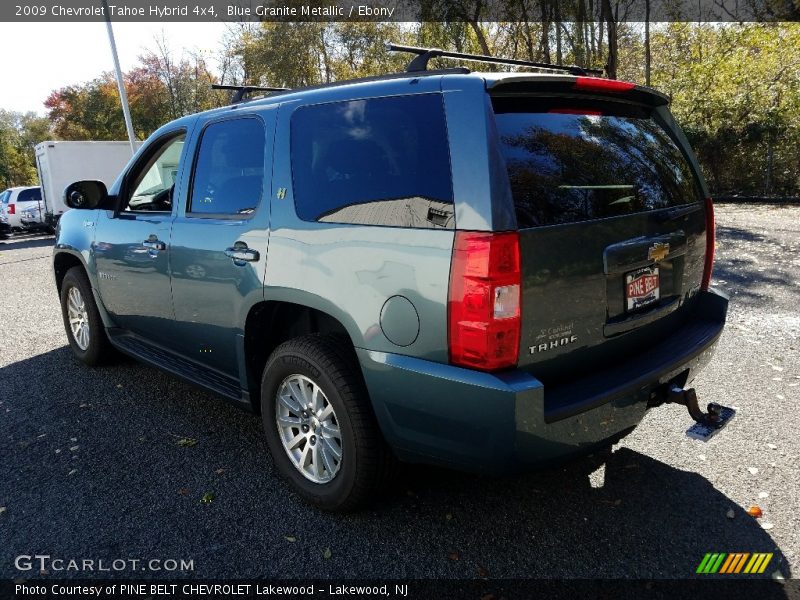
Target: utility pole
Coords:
[(123, 95)]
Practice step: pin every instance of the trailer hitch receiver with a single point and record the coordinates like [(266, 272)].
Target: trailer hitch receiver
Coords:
[(706, 423)]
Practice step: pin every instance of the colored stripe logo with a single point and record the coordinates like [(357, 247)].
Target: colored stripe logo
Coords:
[(735, 562)]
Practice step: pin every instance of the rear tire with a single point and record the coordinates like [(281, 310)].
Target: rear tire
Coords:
[(85, 331), (315, 405)]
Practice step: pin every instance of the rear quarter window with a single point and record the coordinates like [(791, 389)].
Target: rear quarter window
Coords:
[(378, 161), (569, 161), (31, 195)]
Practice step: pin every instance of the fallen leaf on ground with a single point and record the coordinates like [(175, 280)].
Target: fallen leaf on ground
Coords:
[(772, 446), (72, 472), (2, 509), (752, 470), (766, 525), (207, 498), (219, 471), (73, 448), (763, 495), (755, 512), (730, 514), (290, 538), (72, 439), (326, 554), (483, 571), (186, 442), (454, 555)]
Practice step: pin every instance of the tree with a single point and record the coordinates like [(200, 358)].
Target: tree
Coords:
[(19, 134)]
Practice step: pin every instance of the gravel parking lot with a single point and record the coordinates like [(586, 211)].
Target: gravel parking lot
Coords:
[(102, 463)]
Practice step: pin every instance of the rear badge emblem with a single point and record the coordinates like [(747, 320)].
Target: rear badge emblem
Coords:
[(658, 252)]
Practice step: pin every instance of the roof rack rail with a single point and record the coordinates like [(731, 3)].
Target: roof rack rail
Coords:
[(240, 91), (420, 62)]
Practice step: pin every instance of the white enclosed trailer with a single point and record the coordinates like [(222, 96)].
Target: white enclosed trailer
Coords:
[(62, 163)]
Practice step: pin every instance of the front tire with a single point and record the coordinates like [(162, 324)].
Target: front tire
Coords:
[(85, 330), (319, 423)]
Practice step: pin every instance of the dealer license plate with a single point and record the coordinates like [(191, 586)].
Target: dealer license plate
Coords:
[(642, 287)]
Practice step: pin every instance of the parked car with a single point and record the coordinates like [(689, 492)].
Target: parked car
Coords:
[(13, 202), (488, 271)]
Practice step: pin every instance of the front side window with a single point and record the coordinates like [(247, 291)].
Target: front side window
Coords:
[(153, 188), (229, 169), (380, 161), (571, 161)]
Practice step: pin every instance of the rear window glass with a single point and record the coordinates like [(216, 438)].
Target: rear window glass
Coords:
[(569, 163), (379, 161), (31, 195), (5, 196)]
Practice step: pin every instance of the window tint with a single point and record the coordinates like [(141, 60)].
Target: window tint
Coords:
[(156, 182), (229, 170), (31, 195), (577, 163), (382, 161)]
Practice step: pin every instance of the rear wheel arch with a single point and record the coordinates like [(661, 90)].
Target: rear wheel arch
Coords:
[(269, 324)]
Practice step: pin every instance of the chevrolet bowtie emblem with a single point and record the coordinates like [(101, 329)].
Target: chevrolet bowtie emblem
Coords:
[(658, 252)]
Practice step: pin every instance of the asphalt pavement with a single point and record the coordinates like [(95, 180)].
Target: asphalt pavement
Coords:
[(125, 462)]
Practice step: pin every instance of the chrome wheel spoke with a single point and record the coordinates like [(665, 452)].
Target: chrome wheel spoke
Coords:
[(331, 430), (332, 449), (326, 413), (294, 442), (288, 421), (290, 403)]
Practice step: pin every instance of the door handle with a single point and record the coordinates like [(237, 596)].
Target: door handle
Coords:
[(241, 253), (153, 243)]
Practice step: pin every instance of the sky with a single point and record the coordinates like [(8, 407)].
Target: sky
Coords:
[(37, 58)]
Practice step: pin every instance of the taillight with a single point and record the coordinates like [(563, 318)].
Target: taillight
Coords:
[(598, 84), (12, 208), (484, 300), (711, 238)]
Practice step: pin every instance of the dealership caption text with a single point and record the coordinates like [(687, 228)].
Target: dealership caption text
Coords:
[(203, 589), (166, 11)]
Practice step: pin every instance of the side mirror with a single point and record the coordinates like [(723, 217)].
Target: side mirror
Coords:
[(85, 194)]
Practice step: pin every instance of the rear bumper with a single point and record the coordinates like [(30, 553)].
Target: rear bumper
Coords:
[(441, 414)]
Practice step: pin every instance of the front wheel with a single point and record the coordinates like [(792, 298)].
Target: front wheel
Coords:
[(319, 423), (85, 331)]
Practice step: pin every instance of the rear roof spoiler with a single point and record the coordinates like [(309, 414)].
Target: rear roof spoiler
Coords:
[(525, 84)]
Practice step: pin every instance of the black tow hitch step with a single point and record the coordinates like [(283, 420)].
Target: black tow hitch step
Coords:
[(706, 424)]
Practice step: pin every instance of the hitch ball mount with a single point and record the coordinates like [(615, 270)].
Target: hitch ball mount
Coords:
[(706, 423)]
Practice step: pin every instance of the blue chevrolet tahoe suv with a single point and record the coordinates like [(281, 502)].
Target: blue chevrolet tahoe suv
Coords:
[(489, 271)]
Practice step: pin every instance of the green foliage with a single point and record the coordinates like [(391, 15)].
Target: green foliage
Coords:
[(736, 92), (19, 133)]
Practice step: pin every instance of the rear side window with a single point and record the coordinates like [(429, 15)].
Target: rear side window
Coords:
[(229, 170), (380, 161), (569, 163), (31, 195)]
